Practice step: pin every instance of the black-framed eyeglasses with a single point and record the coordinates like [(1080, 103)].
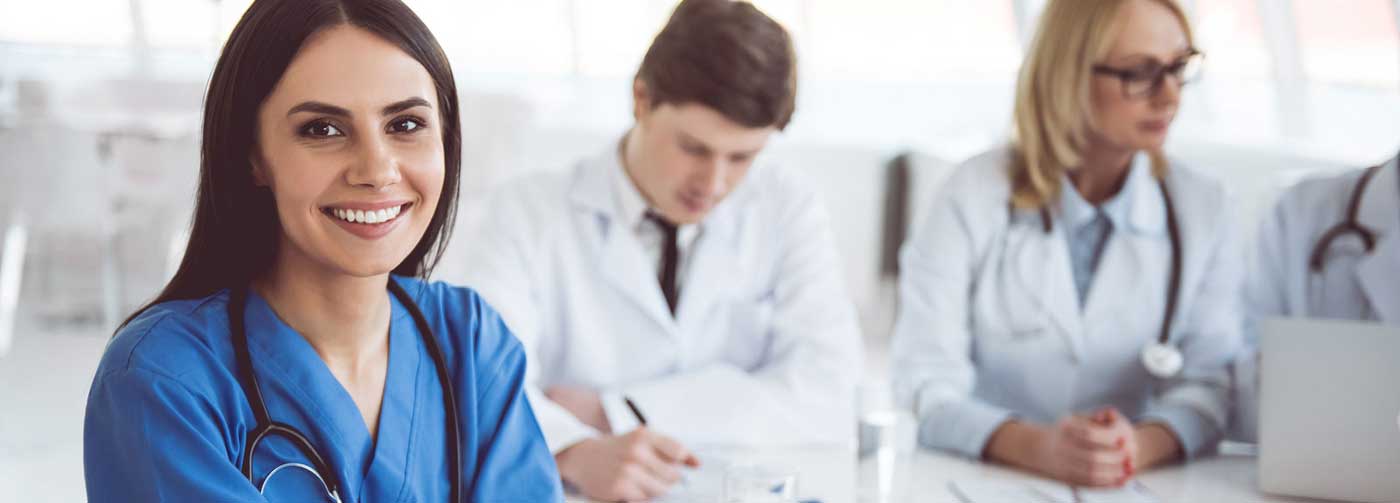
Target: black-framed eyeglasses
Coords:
[(1147, 79)]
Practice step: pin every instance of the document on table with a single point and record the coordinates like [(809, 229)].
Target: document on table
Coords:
[(1038, 491)]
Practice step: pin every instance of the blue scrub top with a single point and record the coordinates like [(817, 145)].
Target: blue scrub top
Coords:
[(167, 418)]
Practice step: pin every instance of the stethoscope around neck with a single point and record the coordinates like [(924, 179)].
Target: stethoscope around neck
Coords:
[(1161, 358), (321, 468), (1317, 260)]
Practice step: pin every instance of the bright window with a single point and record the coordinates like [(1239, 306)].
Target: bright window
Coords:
[(1352, 42), (612, 36), (104, 23), (1231, 34), (490, 36), (902, 41)]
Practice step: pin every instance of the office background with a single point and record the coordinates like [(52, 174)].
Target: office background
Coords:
[(100, 110)]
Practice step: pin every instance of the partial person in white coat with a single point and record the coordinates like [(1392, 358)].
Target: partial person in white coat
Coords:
[(1330, 249), (1035, 293), (673, 270)]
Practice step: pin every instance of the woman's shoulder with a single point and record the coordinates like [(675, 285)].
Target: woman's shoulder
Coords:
[(982, 177), (1201, 197), (1200, 183), (178, 339), (459, 311), (439, 297)]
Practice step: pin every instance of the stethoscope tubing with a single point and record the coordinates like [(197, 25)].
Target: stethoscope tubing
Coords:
[(248, 379)]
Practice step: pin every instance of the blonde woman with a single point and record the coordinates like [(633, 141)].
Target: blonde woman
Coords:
[(1069, 303)]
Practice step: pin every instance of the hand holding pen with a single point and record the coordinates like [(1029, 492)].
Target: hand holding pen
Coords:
[(638, 465)]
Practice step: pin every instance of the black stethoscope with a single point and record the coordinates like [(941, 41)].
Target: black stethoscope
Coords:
[(1161, 357), (267, 427), (1317, 260)]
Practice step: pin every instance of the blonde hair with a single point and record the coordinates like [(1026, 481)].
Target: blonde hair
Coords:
[(1053, 115)]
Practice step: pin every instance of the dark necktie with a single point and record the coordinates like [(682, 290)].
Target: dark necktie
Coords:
[(670, 254)]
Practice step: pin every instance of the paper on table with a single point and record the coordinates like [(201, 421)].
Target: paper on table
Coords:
[(989, 491), (1132, 492), (994, 491)]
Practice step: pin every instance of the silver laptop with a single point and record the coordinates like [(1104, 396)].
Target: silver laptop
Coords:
[(1330, 410)]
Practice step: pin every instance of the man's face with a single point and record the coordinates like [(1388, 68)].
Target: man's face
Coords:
[(688, 157)]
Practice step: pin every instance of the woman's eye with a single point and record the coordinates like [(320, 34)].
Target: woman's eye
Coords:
[(405, 125), (321, 129), (1143, 74)]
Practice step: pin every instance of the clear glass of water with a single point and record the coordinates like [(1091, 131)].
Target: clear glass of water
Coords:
[(876, 452), (744, 483)]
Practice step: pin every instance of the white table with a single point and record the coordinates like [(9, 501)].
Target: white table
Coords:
[(830, 475)]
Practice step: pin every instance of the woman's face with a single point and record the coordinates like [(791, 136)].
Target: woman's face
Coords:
[(350, 144), (1149, 38)]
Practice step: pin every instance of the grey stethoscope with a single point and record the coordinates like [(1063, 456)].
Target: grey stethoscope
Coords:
[(1317, 260), (321, 469), (1162, 358)]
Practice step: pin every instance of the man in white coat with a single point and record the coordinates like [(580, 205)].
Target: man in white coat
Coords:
[(1299, 272), (674, 272)]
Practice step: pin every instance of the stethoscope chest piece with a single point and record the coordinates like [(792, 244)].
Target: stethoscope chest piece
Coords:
[(1162, 360)]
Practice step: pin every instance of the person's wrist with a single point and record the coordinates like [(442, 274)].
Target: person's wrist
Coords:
[(1017, 443), (564, 459), (1156, 444), (1036, 449)]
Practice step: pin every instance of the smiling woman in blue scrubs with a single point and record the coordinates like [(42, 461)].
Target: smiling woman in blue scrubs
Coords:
[(329, 179)]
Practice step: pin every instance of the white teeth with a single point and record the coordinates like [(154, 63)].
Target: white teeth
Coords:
[(367, 217)]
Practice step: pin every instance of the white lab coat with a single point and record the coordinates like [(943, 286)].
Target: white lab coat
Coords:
[(1354, 285), (764, 347), (990, 326)]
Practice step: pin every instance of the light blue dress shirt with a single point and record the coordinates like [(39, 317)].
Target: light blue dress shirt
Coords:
[(1089, 228)]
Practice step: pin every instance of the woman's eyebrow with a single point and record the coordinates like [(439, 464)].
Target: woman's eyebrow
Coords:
[(320, 108), (328, 109), (1142, 57), (400, 106)]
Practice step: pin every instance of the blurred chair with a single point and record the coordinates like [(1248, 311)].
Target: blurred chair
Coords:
[(152, 202), (55, 209), (13, 241)]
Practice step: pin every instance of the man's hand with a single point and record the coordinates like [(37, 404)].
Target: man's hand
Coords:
[(638, 466)]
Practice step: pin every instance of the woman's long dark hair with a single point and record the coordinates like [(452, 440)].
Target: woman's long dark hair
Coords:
[(235, 233)]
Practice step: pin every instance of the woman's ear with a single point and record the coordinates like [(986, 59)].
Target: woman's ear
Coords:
[(259, 170)]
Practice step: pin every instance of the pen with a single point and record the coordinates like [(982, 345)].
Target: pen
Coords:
[(635, 411), (685, 481)]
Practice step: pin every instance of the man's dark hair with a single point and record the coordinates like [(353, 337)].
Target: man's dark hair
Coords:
[(726, 55)]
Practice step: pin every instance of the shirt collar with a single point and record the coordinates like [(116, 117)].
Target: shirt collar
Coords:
[(632, 208), (1138, 206), (1379, 204)]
